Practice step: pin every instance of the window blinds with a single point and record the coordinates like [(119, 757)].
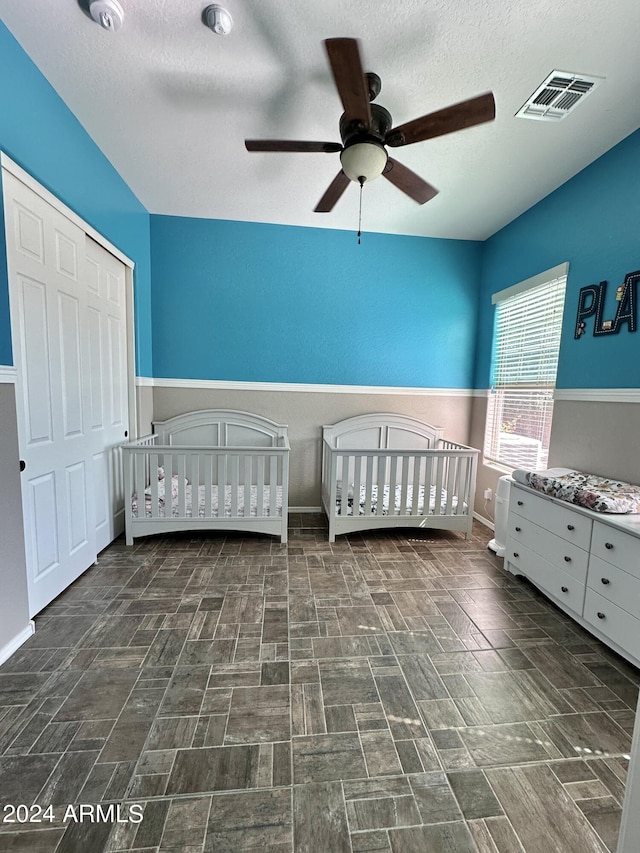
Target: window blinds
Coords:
[(527, 333)]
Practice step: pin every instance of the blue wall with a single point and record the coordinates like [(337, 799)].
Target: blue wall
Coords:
[(253, 302), (39, 133), (592, 221)]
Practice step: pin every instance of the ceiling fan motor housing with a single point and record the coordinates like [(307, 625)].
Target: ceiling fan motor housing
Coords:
[(381, 121)]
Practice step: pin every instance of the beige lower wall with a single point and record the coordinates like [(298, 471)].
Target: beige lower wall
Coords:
[(14, 601), (488, 475), (144, 409), (305, 412), (598, 437)]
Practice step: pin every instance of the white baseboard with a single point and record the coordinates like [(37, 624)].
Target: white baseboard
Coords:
[(14, 644), (486, 521), (305, 509)]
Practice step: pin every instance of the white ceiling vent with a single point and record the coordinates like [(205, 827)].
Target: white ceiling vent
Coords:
[(559, 95)]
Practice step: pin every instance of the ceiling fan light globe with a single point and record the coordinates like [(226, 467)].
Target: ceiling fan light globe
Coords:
[(363, 160)]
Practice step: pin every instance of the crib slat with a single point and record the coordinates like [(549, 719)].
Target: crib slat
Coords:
[(194, 477), (260, 486), (222, 486), (417, 480), (345, 478), (182, 497), (357, 476), (404, 486), (367, 492), (452, 469), (208, 484), (140, 459), (437, 507), (153, 485), (273, 486), (247, 485), (465, 481), (393, 468), (235, 475), (382, 468)]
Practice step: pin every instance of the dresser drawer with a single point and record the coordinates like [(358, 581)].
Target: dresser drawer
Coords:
[(617, 586), (564, 588), (614, 622), (567, 556), (551, 515), (617, 547)]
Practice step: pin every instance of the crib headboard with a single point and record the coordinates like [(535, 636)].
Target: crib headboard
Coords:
[(220, 428), (382, 431)]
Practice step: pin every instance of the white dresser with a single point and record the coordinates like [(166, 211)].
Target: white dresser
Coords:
[(587, 562)]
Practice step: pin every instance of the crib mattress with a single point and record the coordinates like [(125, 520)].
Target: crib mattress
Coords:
[(399, 509), (267, 509)]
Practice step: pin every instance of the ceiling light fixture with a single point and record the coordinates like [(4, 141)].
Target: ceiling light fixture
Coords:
[(363, 161), (107, 13), (218, 20)]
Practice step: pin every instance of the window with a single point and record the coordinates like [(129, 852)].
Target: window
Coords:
[(526, 342)]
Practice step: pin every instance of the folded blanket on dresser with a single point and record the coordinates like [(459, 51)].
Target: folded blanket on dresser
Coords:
[(587, 490)]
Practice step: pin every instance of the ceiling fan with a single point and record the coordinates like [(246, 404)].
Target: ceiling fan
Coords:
[(366, 129)]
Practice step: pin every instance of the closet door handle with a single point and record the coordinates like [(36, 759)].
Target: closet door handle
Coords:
[(608, 546), (601, 615), (518, 530), (570, 527), (564, 588), (23, 465), (515, 554), (126, 433), (567, 559), (605, 581), (519, 503)]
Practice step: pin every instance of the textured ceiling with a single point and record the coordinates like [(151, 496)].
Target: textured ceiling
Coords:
[(170, 103)]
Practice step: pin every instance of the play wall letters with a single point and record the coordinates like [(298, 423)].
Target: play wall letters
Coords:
[(592, 299)]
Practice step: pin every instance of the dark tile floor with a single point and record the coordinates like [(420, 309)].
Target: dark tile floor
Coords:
[(393, 692)]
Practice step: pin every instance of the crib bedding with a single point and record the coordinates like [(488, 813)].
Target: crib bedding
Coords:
[(586, 490), (228, 510), (398, 508)]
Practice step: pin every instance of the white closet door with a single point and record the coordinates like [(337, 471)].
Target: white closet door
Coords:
[(68, 325), (108, 395)]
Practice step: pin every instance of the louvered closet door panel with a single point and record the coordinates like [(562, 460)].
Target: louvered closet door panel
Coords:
[(45, 260)]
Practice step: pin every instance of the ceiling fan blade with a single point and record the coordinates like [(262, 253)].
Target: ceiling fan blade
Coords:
[(337, 186), (344, 58), (456, 117), (409, 182), (291, 145)]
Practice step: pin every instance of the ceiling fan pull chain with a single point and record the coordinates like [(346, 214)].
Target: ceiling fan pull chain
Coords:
[(361, 181)]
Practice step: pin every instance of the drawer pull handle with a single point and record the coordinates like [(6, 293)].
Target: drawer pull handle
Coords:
[(601, 615), (519, 503), (570, 527), (515, 554), (564, 588), (608, 546), (567, 559), (518, 529), (605, 581)]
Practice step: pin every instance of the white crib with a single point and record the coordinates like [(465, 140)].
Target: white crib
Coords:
[(208, 470), (386, 470)]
